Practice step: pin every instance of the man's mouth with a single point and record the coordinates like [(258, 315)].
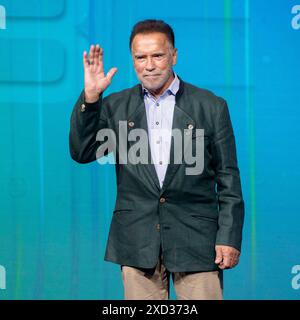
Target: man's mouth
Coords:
[(151, 75)]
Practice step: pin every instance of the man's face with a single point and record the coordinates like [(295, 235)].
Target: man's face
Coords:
[(153, 57)]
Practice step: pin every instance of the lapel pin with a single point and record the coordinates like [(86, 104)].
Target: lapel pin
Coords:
[(131, 123), (82, 107)]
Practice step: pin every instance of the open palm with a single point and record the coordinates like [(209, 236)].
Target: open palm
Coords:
[(95, 81)]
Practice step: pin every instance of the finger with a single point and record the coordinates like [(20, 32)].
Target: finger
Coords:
[(91, 54), (96, 55), (111, 73), (235, 258), (100, 60), (235, 262), (227, 261), (219, 256), (85, 59)]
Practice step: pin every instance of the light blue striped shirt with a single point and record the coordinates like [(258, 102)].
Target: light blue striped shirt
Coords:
[(160, 119)]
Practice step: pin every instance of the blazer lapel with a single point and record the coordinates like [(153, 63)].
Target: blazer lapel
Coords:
[(181, 121)]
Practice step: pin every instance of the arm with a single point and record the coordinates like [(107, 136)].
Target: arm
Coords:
[(86, 120), (88, 115), (229, 192)]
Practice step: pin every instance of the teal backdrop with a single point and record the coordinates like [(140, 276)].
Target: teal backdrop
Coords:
[(55, 213)]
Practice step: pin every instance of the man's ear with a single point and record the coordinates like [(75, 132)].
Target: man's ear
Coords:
[(174, 56)]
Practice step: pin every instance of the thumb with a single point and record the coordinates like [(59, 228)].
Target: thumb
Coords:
[(111, 73), (219, 255)]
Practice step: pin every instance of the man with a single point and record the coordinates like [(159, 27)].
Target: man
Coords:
[(165, 221)]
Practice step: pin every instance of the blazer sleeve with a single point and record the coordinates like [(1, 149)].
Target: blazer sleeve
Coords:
[(86, 121), (228, 184)]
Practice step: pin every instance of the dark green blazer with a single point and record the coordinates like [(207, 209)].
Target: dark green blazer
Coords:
[(190, 214)]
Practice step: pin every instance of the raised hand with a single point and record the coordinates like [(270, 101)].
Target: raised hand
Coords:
[(95, 81)]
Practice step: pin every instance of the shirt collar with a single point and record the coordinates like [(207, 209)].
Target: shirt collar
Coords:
[(172, 89)]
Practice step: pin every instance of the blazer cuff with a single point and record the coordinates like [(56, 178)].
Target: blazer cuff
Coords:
[(89, 107), (229, 239)]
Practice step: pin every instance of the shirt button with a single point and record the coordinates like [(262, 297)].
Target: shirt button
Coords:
[(82, 107), (131, 123), (160, 162), (157, 104), (162, 200), (157, 141), (158, 226), (157, 122)]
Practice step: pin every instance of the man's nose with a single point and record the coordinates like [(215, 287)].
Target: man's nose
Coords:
[(150, 65)]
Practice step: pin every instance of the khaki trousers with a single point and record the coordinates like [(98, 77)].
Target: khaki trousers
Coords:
[(148, 284)]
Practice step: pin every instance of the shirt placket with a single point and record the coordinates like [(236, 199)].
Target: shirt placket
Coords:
[(158, 119)]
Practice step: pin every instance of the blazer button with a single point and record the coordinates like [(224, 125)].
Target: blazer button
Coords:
[(190, 126), (131, 123), (162, 200), (158, 226), (82, 107)]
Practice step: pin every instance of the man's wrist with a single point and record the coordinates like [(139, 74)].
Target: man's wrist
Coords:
[(91, 97)]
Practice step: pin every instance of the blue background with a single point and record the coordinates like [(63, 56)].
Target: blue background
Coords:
[(55, 213)]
